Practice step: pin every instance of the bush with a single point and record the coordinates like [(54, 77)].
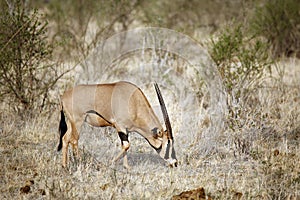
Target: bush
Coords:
[(278, 21), (241, 63), (26, 75)]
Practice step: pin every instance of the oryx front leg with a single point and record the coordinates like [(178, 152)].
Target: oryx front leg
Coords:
[(125, 146)]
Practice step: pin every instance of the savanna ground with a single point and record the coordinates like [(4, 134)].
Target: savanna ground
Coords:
[(256, 155)]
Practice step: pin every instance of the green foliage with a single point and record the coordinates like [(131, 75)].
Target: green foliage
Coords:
[(278, 21), (26, 75), (240, 61)]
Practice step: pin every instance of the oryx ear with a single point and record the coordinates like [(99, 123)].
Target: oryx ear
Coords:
[(157, 132)]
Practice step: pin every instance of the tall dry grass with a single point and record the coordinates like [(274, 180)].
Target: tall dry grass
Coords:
[(258, 159)]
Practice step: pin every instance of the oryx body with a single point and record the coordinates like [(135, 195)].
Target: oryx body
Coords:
[(121, 105)]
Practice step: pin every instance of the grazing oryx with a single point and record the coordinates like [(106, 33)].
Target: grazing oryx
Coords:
[(121, 105)]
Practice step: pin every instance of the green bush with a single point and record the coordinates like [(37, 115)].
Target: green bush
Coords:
[(240, 60), (26, 77), (279, 22), (241, 63)]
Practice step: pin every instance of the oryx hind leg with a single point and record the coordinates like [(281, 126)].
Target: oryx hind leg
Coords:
[(74, 138), (125, 146), (65, 144), (71, 137)]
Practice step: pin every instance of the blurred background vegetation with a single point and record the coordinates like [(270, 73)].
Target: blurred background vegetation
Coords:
[(246, 39), (38, 35)]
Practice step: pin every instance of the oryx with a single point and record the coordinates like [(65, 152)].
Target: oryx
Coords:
[(121, 105)]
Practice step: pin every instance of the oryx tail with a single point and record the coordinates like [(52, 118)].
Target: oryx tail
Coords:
[(62, 129)]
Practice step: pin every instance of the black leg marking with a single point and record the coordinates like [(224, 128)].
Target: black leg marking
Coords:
[(123, 137)]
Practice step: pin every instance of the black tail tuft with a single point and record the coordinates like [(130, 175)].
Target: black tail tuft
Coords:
[(62, 129)]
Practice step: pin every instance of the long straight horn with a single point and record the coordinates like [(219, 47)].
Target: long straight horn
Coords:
[(164, 111)]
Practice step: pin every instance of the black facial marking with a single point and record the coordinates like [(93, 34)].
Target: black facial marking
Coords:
[(167, 150), (173, 155), (157, 149)]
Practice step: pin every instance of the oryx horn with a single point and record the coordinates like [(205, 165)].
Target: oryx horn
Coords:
[(164, 111)]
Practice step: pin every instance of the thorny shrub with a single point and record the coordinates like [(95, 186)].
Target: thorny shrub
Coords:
[(278, 22), (241, 62), (26, 70)]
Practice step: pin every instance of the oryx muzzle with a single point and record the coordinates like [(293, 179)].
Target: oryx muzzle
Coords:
[(121, 105)]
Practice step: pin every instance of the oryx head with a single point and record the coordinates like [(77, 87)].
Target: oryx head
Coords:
[(166, 151)]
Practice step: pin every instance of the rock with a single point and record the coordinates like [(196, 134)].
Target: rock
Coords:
[(197, 194), (29, 182), (25, 189), (238, 195), (42, 191), (276, 152)]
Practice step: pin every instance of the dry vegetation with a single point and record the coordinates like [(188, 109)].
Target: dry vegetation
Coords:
[(255, 157), (258, 161)]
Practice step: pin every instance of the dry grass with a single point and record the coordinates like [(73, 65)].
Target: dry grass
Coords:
[(258, 160)]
